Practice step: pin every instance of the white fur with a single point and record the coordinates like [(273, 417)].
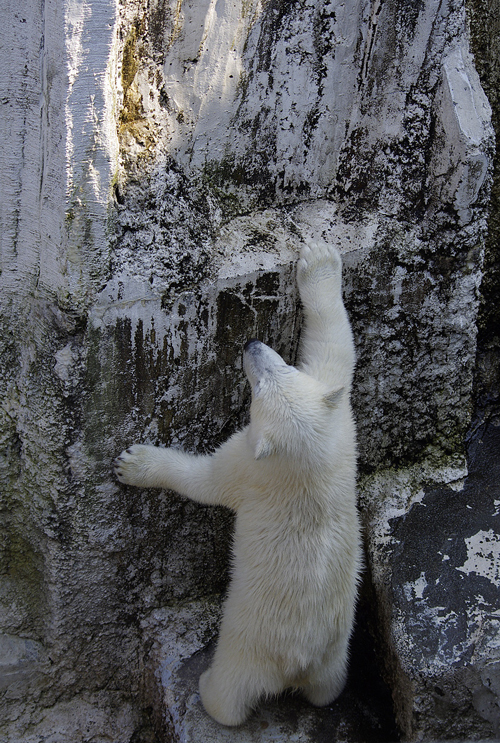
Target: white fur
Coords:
[(290, 477)]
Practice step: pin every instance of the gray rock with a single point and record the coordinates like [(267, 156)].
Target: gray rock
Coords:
[(161, 163), (437, 574), (180, 651)]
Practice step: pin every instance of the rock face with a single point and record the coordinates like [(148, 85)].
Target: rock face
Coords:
[(161, 163), (436, 562), (487, 53)]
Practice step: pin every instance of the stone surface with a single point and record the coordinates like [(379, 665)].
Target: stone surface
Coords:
[(161, 162), (437, 573), (180, 651), (486, 14)]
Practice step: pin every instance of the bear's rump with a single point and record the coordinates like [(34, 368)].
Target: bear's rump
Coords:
[(292, 591), (287, 630)]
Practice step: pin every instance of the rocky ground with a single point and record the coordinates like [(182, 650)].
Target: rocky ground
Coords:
[(362, 713)]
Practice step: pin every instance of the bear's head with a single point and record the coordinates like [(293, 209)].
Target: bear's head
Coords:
[(291, 413)]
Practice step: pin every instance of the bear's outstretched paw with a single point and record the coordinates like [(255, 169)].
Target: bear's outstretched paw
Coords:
[(131, 465), (319, 261)]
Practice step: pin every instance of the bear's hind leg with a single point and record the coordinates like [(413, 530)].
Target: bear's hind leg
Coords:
[(235, 682), (327, 681), (228, 703), (229, 697)]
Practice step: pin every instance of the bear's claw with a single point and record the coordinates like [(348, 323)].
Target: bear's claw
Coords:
[(126, 466)]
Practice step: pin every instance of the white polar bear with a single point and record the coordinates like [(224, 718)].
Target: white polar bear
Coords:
[(290, 477)]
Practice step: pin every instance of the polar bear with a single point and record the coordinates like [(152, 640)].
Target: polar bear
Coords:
[(290, 478)]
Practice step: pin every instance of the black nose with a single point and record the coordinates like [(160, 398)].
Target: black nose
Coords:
[(249, 343)]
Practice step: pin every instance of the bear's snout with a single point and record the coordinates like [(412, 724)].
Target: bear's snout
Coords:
[(249, 342)]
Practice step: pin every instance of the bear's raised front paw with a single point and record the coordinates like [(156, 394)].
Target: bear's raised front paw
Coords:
[(319, 261), (130, 466)]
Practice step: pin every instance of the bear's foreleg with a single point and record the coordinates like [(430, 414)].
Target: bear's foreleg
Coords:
[(327, 346), (319, 277), (155, 467)]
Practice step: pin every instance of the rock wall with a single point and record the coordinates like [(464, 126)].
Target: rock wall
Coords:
[(161, 163), (487, 54)]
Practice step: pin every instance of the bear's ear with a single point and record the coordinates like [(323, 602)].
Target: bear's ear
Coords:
[(264, 448), (333, 398)]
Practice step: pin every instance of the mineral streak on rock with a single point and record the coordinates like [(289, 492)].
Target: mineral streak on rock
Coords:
[(161, 163)]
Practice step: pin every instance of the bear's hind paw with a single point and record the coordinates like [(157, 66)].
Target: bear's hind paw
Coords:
[(221, 703)]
